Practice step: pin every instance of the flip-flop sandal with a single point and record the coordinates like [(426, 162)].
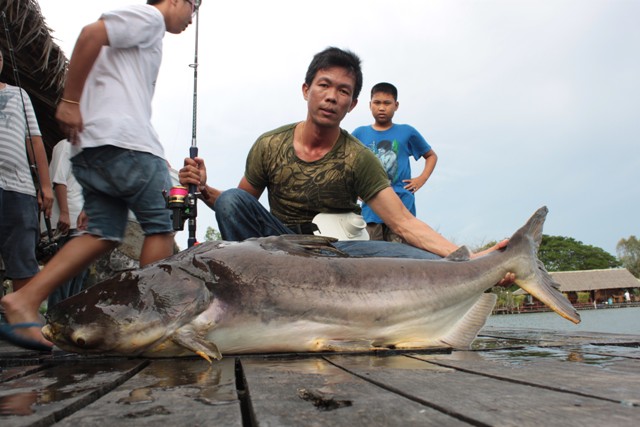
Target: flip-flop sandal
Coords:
[(8, 333)]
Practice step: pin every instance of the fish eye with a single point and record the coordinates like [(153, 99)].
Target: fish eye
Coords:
[(80, 342)]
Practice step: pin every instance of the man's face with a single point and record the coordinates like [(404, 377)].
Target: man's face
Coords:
[(181, 16), (1, 62), (330, 96), (383, 107)]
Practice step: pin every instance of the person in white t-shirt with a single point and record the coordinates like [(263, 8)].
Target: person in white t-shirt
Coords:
[(65, 213), (105, 111)]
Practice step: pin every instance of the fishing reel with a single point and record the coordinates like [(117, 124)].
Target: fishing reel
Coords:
[(46, 249), (182, 204)]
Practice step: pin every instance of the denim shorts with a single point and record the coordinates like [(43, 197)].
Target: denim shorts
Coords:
[(19, 234), (115, 180)]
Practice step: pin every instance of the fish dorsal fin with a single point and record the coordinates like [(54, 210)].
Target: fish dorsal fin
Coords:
[(460, 254)]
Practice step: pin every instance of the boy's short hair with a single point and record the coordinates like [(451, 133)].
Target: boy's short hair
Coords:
[(335, 57), (385, 87)]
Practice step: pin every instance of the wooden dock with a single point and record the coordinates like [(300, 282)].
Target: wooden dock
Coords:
[(511, 377)]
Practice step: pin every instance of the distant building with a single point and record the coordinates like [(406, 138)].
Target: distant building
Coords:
[(602, 285)]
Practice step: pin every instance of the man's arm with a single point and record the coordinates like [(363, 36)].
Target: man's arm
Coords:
[(194, 172), (388, 206), (91, 40), (414, 184), (37, 154), (64, 221)]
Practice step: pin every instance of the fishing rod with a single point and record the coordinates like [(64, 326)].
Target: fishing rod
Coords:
[(183, 200), (50, 247)]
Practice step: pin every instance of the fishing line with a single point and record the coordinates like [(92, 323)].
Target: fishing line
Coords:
[(193, 150), (183, 200)]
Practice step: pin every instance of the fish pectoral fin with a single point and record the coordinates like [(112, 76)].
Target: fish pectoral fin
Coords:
[(344, 345), (188, 338)]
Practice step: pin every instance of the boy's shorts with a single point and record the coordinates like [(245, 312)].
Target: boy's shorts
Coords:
[(115, 180), (19, 234)]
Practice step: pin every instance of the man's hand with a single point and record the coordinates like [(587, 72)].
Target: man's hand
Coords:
[(70, 120), (193, 172), (64, 223), (508, 278), (45, 201), (83, 221)]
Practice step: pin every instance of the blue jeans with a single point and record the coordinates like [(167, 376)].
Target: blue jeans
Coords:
[(19, 234), (241, 216), (115, 180)]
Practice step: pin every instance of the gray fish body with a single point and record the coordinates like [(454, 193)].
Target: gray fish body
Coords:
[(279, 294)]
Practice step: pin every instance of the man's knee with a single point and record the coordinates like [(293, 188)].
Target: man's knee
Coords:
[(230, 200)]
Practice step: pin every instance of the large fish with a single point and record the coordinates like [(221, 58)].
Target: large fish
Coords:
[(296, 294)]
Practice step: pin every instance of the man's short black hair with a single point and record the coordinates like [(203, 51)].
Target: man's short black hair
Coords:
[(385, 88), (335, 57)]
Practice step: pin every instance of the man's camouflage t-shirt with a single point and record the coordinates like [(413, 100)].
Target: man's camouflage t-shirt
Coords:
[(299, 190)]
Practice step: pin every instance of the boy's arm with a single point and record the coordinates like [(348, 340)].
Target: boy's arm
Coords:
[(64, 221), (414, 184), (91, 40)]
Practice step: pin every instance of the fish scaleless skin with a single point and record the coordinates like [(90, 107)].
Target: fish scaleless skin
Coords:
[(297, 293)]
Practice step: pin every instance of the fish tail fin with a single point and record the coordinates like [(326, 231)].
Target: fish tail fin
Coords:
[(466, 330), (531, 274)]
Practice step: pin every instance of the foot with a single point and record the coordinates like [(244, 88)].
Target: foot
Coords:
[(16, 313)]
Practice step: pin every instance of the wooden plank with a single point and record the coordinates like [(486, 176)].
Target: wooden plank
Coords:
[(611, 350), (168, 392), (10, 373), (614, 379), (312, 392), (50, 394), (491, 401)]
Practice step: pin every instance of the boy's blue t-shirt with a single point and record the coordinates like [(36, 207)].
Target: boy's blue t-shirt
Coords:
[(393, 148)]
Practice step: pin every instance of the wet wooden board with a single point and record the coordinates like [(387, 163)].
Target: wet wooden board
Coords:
[(312, 391), (492, 401), (607, 378), (512, 377), (187, 391)]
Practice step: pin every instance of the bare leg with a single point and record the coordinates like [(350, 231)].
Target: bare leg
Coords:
[(22, 305), (156, 247), (18, 283)]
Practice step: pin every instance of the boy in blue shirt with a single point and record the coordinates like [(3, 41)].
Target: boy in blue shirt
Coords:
[(393, 144)]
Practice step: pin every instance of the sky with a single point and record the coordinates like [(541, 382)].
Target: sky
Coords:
[(526, 103)]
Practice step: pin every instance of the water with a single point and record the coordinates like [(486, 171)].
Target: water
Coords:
[(612, 320)]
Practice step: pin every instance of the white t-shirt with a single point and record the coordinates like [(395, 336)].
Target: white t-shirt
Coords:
[(15, 174), (116, 100), (61, 173)]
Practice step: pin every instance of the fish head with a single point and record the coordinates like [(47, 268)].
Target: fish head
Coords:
[(127, 314)]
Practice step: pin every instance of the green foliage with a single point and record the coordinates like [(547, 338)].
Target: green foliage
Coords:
[(559, 253), (629, 254), (212, 234)]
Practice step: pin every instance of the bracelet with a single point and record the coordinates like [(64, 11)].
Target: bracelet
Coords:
[(69, 101), (204, 193)]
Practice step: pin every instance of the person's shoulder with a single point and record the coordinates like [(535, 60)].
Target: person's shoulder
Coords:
[(140, 12), (277, 132), (12, 88), (361, 129), (353, 143), (403, 127)]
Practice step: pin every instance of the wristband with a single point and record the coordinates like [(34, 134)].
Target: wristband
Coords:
[(68, 101)]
